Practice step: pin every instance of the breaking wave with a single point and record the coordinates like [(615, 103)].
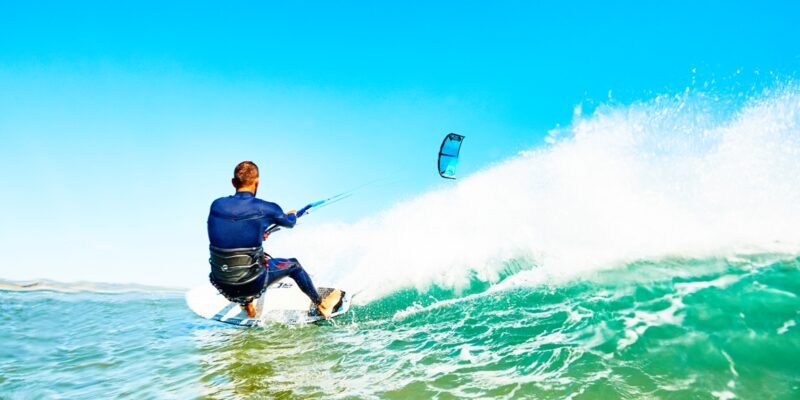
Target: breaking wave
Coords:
[(685, 175)]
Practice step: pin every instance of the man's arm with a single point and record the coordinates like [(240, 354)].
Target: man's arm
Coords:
[(286, 220)]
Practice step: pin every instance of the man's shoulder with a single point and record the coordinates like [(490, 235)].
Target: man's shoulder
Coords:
[(268, 204), (220, 200), (251, 202)]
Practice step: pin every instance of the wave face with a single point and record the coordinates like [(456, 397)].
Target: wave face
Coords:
[(677, 328), (688, 175)]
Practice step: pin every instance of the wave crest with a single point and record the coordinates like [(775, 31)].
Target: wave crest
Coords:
[(677, 175)]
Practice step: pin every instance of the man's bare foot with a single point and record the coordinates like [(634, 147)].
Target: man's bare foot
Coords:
[(250, 309), (326, 306)]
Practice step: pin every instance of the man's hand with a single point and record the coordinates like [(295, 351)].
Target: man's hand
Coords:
[(292, 212)]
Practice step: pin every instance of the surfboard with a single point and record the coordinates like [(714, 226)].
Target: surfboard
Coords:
[(283, 302)]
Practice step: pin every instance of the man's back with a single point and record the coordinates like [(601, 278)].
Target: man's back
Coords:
[(240, 220)]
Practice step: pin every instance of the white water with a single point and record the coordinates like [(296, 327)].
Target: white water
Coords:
[(672, 176)]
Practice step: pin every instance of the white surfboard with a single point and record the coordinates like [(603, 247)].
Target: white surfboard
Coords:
[(282, 302)]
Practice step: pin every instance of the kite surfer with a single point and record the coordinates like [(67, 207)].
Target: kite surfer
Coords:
[(237, 226)]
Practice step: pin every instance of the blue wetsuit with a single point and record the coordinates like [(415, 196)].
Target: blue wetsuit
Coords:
[(239, 222)]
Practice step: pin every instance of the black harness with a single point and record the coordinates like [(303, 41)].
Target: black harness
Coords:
[(238, 274), (236, 266)]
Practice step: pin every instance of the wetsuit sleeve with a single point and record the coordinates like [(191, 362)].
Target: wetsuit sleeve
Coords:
[(282, 219)]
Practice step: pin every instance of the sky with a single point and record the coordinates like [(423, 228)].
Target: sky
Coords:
[(120, 123)]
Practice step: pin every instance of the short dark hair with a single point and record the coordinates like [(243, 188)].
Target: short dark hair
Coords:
[(245, 174)]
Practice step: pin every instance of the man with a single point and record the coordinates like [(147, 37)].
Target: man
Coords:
[(239, 268)]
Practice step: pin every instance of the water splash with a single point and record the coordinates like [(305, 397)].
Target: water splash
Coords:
[(677, 175)]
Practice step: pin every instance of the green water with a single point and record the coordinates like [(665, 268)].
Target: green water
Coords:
[(671, 329)]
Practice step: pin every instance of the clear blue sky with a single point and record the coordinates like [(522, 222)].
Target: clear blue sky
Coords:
[(119, 124)]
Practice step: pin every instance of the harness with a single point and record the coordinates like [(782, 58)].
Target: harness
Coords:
[(235, 273), (236, 266)]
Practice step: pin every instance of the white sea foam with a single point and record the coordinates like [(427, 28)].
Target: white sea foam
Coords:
[(672, 176), (785, 327)]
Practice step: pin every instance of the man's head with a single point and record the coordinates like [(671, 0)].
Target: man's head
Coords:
[(245, 177)]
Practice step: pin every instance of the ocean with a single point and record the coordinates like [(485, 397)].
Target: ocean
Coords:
[(648, 250)]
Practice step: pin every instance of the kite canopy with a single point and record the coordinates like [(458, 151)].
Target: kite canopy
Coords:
[(448, 155)]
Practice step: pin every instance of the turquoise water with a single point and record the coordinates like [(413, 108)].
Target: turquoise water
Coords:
[(672, 328)]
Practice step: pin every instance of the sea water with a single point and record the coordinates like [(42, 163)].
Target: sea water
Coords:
[(649, 250)]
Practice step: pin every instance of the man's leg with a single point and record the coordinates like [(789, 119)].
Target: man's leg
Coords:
[(250, 309), (282, 267), (244, 294)]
